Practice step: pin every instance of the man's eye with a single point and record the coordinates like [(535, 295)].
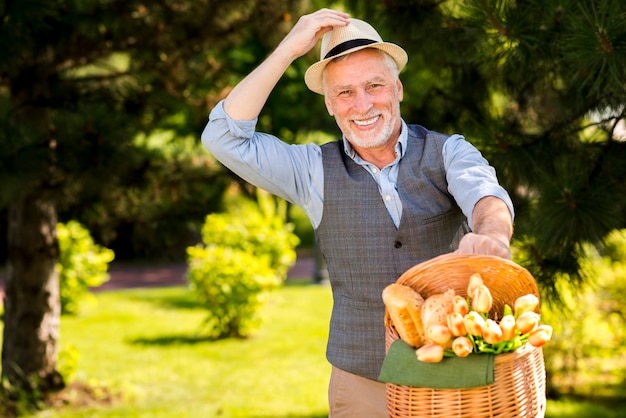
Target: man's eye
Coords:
[(344, 93)]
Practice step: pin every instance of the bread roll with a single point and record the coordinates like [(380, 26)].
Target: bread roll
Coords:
[(404, 306), (437, 307)]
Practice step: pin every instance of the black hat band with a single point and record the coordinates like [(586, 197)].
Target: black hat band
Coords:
[(344, 46)]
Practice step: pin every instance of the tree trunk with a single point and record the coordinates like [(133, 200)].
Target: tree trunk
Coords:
[(32, 304)]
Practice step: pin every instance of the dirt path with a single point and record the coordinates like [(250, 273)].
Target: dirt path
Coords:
[(123, 275)]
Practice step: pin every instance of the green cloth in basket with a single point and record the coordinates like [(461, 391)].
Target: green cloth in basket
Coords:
[(402, 367)]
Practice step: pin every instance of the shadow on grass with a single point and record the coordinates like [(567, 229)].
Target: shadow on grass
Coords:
[(189, 338), (172, 340), (182, 299)]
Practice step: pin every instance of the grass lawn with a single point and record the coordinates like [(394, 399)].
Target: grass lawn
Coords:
[(145, 346)]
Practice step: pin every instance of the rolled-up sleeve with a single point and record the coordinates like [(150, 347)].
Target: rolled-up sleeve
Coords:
[(223, 137), (293, 172), (470, 177)]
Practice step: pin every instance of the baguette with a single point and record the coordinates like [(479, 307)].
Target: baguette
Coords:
[(404, 306)]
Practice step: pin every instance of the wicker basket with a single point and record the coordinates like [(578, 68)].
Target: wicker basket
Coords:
[(519, 388)]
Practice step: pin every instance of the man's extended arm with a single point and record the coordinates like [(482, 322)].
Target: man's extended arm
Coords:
[(247, 99), (493, 227)]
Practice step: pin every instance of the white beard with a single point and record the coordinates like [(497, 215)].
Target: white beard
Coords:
[(370, 140)]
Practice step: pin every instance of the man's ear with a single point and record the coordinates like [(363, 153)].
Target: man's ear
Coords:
[(400, 88)]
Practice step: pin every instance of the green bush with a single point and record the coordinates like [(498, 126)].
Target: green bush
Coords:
[(244, 254), (82, 264), (255, 229), (232, 284), (587, 354)]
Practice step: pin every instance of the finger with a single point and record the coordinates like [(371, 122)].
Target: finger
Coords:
[(326, 19)]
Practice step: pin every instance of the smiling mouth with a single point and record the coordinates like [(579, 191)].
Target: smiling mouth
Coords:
[(366, 122)]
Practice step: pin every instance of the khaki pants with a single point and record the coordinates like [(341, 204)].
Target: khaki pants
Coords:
[(352, 396)]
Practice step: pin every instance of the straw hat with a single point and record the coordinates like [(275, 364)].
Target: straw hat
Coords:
[(344, 40)]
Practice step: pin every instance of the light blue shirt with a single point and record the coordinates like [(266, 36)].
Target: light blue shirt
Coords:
[(295, 172)]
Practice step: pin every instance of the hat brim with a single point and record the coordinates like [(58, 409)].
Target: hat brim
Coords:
[(313, 75)]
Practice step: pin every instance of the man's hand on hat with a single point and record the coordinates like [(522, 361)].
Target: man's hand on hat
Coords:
[(308, 30)]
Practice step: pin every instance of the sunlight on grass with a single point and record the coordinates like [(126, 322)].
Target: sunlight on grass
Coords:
[(148, 345)]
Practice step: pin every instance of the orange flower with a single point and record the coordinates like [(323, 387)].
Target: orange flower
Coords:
[(527, 321), (474, 281), (462, 346), (507, 324), (481, 299), (474, 323), (492, 334), (456, 324), (439, 334), (460, 305), (430, 353), (526, 303), (540, 335)]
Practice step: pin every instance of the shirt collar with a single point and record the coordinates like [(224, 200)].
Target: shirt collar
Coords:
[(400, 145)]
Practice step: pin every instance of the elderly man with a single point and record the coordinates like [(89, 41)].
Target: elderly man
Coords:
[(384, 197)]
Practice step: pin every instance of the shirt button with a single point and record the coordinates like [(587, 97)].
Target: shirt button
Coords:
[(388, 198), (374, 170), (397, 244)]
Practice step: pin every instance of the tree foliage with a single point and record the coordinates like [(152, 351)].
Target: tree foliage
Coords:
[(99, 73)]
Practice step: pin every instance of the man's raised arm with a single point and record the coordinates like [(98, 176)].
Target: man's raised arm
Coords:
[(247, 99)]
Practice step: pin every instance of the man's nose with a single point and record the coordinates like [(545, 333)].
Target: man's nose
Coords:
[(362, 102)]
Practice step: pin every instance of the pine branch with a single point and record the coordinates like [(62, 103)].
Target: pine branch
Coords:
[(501, 29)]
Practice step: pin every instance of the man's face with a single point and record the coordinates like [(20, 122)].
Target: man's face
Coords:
[(364, 96)]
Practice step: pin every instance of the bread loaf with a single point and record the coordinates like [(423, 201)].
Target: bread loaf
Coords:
[(404, 306)]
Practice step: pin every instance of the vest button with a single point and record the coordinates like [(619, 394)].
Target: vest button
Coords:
[(397, 244)]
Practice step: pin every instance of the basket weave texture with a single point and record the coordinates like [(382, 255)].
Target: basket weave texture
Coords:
[(519, 388)]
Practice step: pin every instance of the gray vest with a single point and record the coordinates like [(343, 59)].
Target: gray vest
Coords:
[(364, 251)]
